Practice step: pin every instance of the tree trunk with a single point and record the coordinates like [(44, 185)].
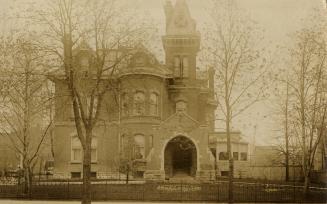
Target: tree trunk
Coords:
[(28, 181), (286, 136), (287, 169), (231, 161), (86, 197), (306, 185), (127, 174)]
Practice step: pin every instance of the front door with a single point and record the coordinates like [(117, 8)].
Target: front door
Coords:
[(180, 157)]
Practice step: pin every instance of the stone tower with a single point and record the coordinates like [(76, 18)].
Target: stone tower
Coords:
[(181, 42), (181, 141)]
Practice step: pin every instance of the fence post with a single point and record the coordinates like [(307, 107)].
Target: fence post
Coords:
[(217, 191), (294, 191), (68, 193), (143, 189), (106, 189), (181, 197), (255, 192)]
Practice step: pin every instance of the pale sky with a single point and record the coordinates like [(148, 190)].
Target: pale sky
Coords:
[(279, 19)]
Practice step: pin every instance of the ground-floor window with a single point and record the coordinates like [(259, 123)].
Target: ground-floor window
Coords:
[(77, 151), (93, 174), (235, 156), (244, 156), (223, 156), (76, 155), (139, 147), (76, 175), (224, 173), (138, 174)]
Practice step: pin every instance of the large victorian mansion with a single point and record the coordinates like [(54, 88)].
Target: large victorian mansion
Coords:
[(167, 110)]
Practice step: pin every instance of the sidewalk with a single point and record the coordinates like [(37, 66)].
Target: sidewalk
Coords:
[(78, 202)]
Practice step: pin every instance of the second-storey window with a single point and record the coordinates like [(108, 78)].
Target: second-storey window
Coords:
[(124, 104), (139, 103), (154, 104)]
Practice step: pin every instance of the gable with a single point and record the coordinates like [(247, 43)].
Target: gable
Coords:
[(180, 122)]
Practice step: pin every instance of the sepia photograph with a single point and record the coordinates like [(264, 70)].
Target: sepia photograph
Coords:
[(163, 101)]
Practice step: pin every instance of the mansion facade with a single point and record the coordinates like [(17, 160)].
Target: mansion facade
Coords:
[(167, 109), (162, 118)]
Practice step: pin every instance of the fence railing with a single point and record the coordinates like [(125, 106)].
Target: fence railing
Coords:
[(214, 192)]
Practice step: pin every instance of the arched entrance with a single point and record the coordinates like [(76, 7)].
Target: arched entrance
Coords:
[(180, 157)]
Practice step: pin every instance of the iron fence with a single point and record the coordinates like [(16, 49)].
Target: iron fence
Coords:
[(210, 192)]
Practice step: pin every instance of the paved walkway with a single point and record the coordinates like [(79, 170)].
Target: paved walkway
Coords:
[(78, 202)]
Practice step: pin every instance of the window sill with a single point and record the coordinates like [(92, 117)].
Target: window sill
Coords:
[(140, 160), (137, 116), (79, 162)]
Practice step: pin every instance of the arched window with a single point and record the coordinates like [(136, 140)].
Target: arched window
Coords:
[(76, 153), (139, 103), (154, 104), (177, 66), (124, 104), (181, 66), (185, 67), (139, 147)]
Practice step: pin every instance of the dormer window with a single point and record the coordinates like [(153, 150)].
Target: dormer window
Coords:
[(181, 65)]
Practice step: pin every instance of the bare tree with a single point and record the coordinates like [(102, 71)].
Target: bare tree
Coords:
[(24, 102), (240, 70), (308, 83), (99, 28), (282, 112)]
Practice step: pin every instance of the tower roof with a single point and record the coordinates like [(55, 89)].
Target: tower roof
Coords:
[(179, 20)]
